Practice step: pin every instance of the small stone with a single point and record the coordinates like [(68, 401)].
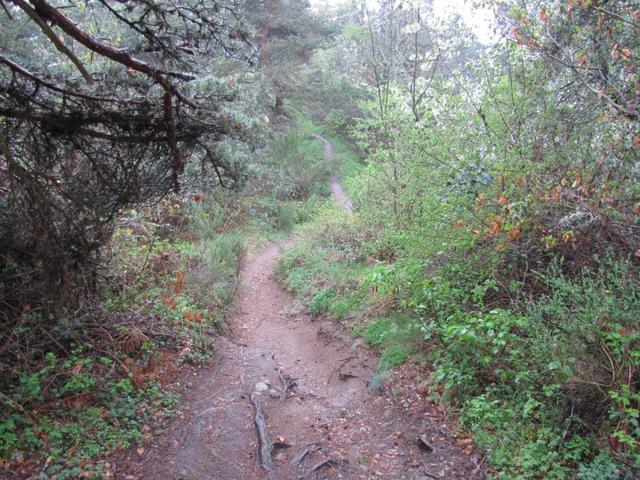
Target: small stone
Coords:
[(273, 393), (261, 387)]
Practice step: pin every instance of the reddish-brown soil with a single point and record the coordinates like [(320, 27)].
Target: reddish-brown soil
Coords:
[(331, 413)]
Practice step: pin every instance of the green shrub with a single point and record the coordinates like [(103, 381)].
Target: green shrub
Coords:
[(342, 307), (393, 356), (300, 162), (274, 214), (322, 301), (378, 331), (286, 218), (204, 217), (552, 378), (541, 363), (219, 260), (298, 269)]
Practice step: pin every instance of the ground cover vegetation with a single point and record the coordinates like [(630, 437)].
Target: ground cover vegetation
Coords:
[(495, 230)]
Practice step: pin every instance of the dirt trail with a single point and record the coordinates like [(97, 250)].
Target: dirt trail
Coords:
[(337, 192), (330, 413)]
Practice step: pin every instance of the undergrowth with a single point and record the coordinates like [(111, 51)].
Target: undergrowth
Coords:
[(541, 366), (112, 376)]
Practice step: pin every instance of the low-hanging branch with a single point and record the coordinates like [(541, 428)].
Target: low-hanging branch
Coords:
[(71, 93), (74, 155), (48, 12), (69, 110)]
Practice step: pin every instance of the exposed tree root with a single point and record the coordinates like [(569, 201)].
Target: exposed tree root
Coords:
[(264, 439)]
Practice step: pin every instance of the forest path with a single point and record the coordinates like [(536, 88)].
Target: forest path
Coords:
[(337, 192), (330, 413)]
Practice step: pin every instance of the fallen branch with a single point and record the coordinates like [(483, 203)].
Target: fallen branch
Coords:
[(329, 462), (264, 440), (430, 475), (347, 358), (287, 381), (300, 458), (477, 470)]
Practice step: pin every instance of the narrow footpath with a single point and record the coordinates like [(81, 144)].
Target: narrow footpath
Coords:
[(310, 379), (337, 192)]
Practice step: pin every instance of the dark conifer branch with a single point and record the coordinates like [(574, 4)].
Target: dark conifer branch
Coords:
[(47, 84), (55, 40)]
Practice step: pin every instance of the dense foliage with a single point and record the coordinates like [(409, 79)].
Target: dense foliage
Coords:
[(497, 224), (100, 112)]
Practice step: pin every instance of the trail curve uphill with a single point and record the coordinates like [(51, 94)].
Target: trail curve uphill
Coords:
[(337, 192), (310, 379)]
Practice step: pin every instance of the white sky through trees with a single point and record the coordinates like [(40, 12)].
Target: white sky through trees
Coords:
[(480, 19)]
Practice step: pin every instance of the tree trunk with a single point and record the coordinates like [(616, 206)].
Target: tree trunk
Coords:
[(264, 36), (279, 104)]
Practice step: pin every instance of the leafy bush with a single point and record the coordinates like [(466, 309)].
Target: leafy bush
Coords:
[(275, 214), (378, 331), (345, 306), (300, 166), (393, 356), (322, 301), (554, 378), (536, 354)]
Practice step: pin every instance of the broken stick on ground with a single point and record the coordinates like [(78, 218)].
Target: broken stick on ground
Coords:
[(328, 462)]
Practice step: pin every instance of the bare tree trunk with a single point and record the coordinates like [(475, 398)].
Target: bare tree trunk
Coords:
[(264, 36), (279, 104)]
